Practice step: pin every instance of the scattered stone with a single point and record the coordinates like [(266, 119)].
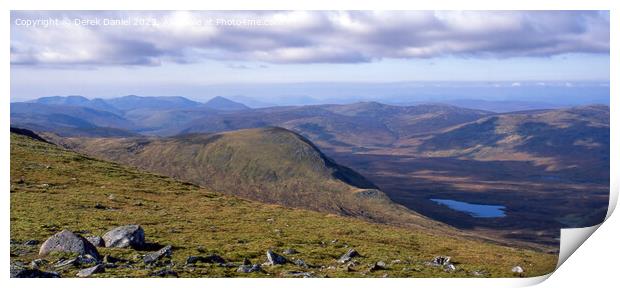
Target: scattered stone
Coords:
[(155, 256), (517, 269), (348, 256), (290, 251), (441, 261), (125, 236), (37, 263), (275, 259), (378, 266), (99, 206), (31, 242), (111, 197), (78, 261), (450, 268), (300, 274), (397, 261), (301, 263), (99, 268), (66, 241), (213, 258), (478, 273), (250, 268), (166, 272), (96, 241), (246, 262), (201, 249), (18, 271)]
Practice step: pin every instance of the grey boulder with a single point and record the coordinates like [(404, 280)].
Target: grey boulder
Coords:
[(68, 242), (125, 236), (155, 256), (348, 256), (99, 268), (275, 259), (96, 241)]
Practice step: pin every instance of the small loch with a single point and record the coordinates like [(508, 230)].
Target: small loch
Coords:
[(475, 210)]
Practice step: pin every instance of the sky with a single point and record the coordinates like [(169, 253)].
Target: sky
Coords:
[(275, 56)]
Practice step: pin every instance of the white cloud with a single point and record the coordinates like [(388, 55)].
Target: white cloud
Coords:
[(305, 36)]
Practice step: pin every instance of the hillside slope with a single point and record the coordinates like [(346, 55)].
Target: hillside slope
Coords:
[(271, 165), (54, 189), (343, 127), (573, 140)]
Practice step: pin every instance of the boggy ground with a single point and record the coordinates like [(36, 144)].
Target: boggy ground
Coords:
[(54, 189)]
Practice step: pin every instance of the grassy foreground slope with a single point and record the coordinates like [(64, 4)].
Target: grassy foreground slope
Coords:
[(54, 189)]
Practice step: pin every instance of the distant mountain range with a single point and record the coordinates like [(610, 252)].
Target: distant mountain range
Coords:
[(122, 116)]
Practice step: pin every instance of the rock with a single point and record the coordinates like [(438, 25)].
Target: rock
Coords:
[(378, 266), (289, 251), (78, 261), (275, 259), (125, 236), (246, 262), (213, 258), (155, 256), (250, 268), (166, 272), (96, 241), (300, 274), (31, 242), (441, 260), (517, 269), (111, 197), (301, 263), (99, 206), (66, 241), (348, 256), (37, 263), (18, 271), (99, 268), (450, 268)]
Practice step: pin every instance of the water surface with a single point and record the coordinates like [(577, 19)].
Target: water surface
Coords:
[(475, 210)]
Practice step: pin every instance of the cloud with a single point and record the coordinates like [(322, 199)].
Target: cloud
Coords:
[(153, 38)]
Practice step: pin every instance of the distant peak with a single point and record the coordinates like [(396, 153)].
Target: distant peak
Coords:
[(222, 103)]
